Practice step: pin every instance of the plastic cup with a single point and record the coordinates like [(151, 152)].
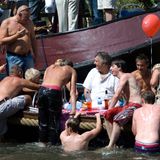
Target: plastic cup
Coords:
[(89, 105), (106, 103)]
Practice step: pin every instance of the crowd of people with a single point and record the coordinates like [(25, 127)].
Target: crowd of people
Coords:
[(108, 80), (141, 105), (66, 15)]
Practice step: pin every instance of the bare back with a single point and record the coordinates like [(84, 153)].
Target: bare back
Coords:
[(146, 123), (12, 85), (75, 142), (59, 75)]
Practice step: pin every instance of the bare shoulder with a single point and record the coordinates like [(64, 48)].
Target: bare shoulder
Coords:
[(134, 72), (156, 72), (137, 111), (51, 67), (69, 68), (86, 135), (125, 76), (157, 107), (7, 21)]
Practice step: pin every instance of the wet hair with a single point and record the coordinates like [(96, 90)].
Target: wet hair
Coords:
[(73, 123), (148, 97), (105, 57), (16, 70), (64, 62), (32, 74), (120, 64), (142, 57)]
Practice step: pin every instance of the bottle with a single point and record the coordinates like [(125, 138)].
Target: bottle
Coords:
[(88, 98), (99, 102), (88, 101)]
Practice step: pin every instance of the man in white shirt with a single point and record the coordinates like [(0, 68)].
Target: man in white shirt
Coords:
[(99, 81)]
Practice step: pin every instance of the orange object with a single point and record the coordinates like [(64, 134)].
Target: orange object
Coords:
[(89, 105), (106, 103)]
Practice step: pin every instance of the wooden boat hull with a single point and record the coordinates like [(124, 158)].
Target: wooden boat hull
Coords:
[(119, 37)]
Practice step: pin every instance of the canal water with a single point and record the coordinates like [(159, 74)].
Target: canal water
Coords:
[(30, 151)]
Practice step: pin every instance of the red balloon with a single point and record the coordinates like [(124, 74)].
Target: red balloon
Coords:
[(151, 25)]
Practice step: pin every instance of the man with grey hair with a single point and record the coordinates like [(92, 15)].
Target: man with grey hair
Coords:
[(17, 33), (33, 75), (99, 81), (10, 99)]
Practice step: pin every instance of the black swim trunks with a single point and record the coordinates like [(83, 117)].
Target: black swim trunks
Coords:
[(49, 102)]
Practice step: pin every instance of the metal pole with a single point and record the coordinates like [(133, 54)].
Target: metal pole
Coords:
[(151, 51), (43, 53)]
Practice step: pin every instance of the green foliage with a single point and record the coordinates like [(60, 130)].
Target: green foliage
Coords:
[(121, 3)]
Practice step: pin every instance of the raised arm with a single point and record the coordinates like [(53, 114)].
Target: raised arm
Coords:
[(154, 80), (94, 132), (118, 92), (73, 91)]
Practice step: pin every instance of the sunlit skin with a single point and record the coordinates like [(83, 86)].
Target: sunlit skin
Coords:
[(129, 88), (142, 75)]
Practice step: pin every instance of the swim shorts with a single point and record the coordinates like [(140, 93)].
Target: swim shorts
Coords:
[(23, 61), (147, 147), (49, 102), (121, 115), (126, 114)]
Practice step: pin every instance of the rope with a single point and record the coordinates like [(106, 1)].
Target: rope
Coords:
[(29, 122), (34, 123), (87, 125), (23, 121)]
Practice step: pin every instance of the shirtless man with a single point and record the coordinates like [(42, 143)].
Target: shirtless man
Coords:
[(146, 125), (142, 74), (50, 100), (17, 33), (10, 100), (72, 141), (119, 116)]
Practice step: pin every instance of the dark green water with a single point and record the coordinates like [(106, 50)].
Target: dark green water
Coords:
[(30, 151)]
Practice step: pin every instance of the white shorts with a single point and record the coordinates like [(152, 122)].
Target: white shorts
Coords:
[(9, 108), (106, 4)]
